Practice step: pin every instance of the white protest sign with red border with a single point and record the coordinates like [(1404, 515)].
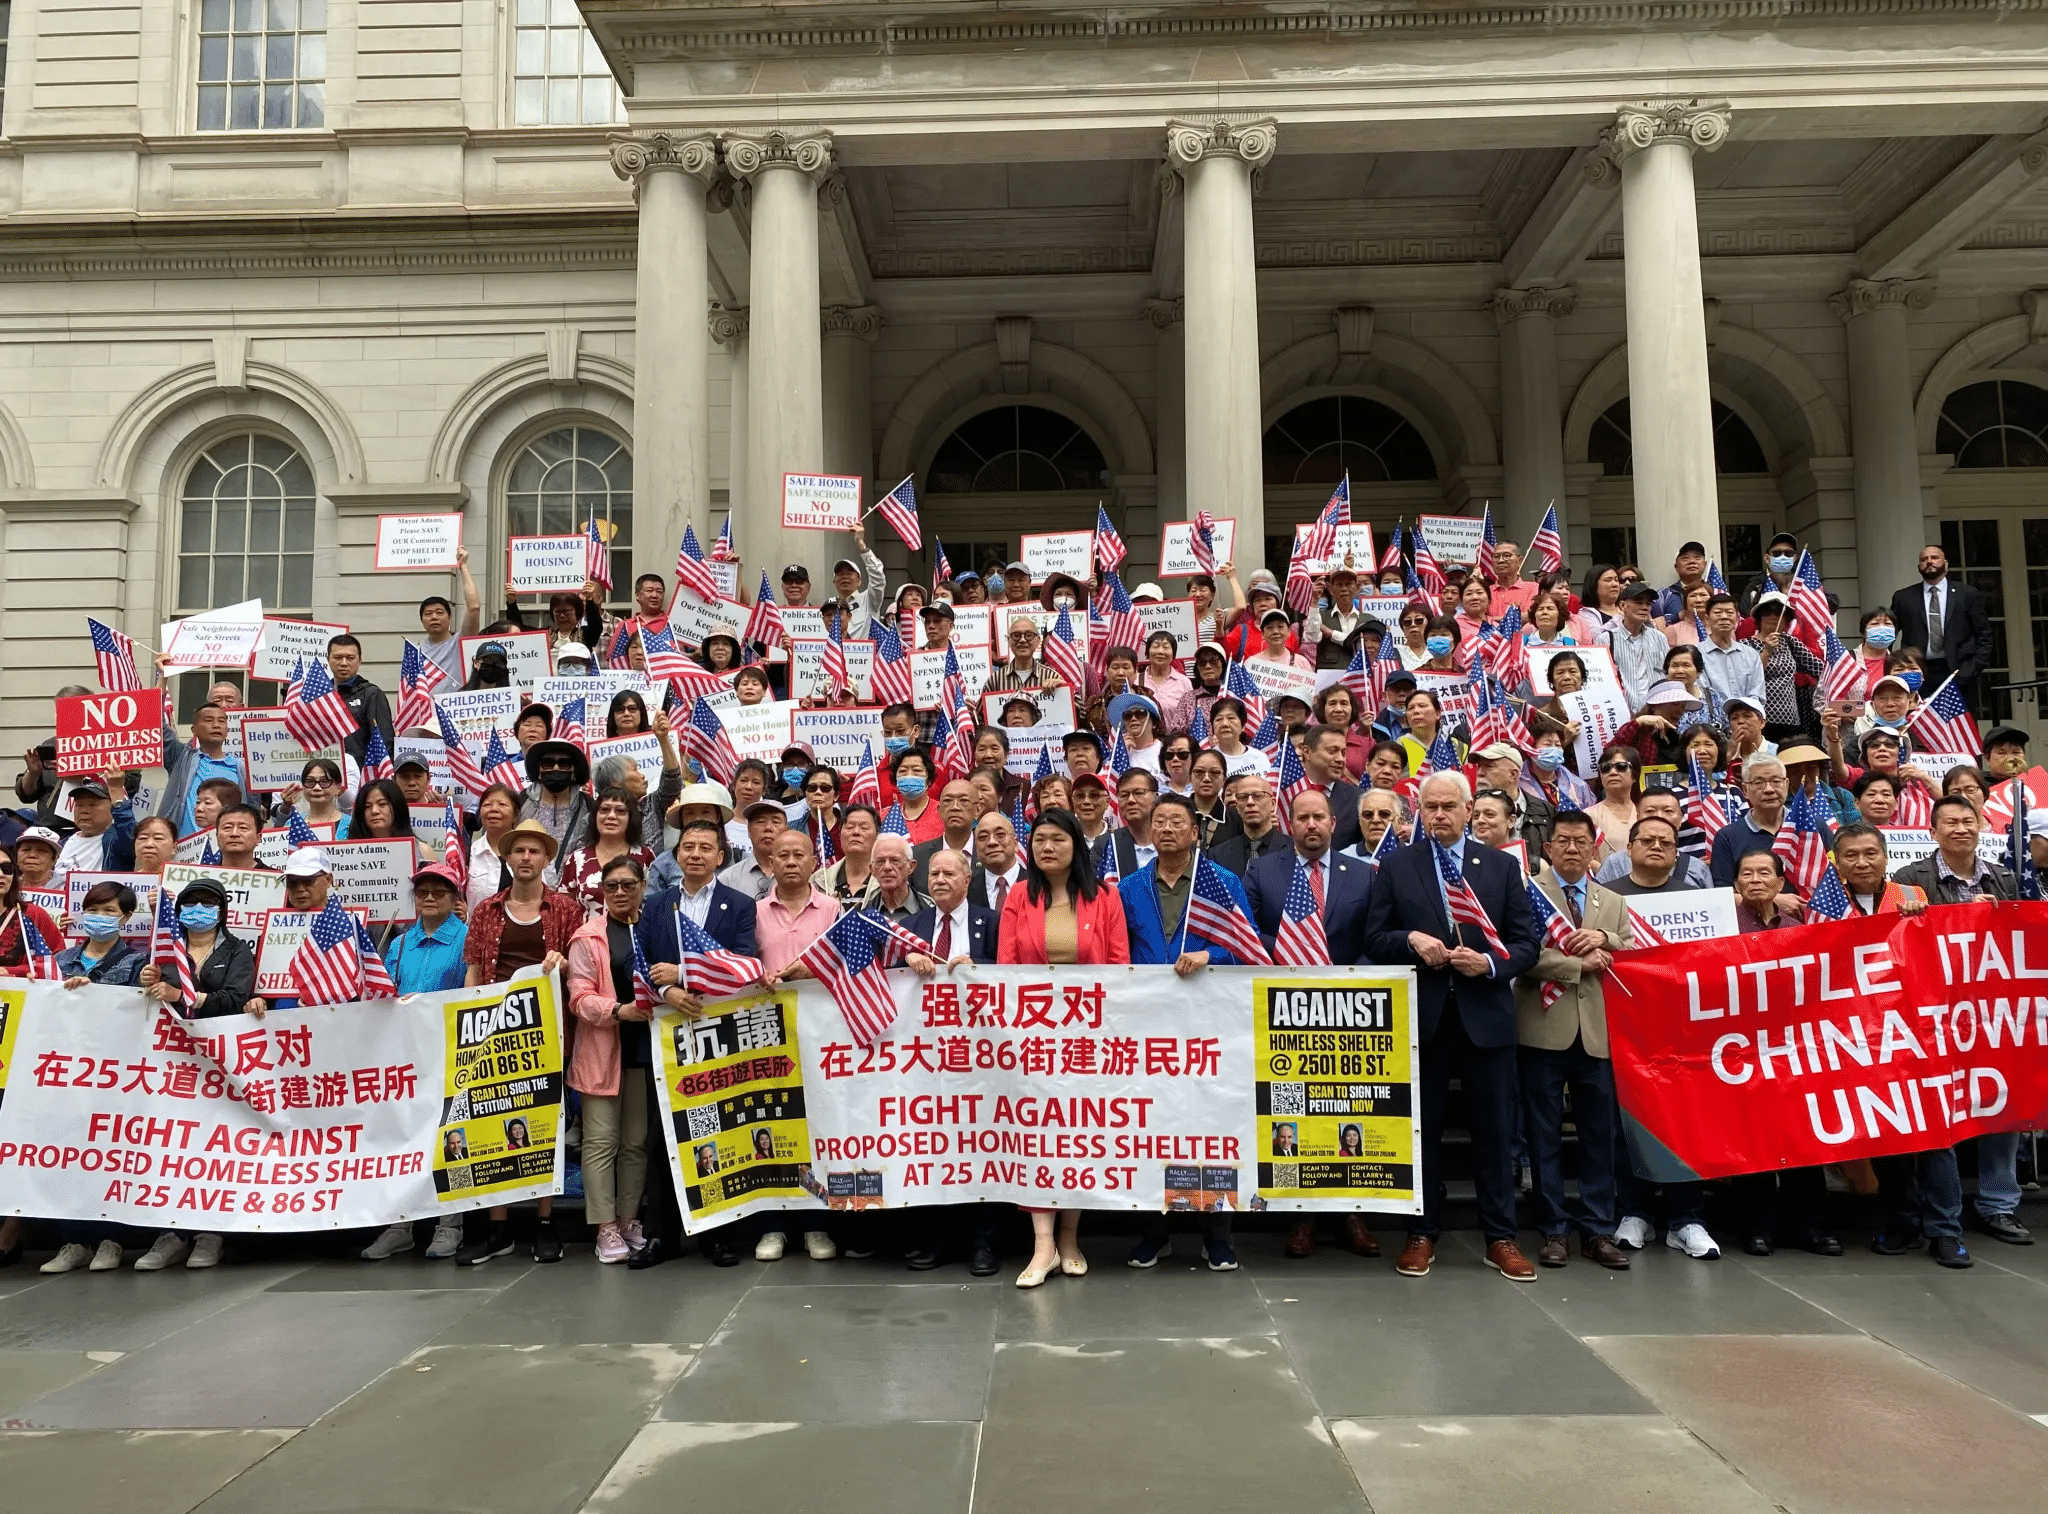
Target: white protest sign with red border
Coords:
[(547, 564), (412, 543), (820, 501)]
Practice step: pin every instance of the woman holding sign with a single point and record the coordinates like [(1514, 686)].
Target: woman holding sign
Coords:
[(320, 784)]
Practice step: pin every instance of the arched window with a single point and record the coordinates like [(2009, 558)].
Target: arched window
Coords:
[(1996, 424), (1320, 441), (563, 478), (1017, 449), (1736, 449)]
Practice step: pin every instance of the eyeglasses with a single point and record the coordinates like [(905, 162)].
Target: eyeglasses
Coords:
[(819, 788), (317, 782), (1616, 767), (620, 885)]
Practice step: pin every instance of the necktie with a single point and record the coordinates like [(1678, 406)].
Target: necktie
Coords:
[(1315, 883), (943, 947), (1934, 642), (1575, 902), (1002, 893)]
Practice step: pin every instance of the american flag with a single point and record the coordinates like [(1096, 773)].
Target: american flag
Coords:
[(1213, 912), (710, 970), (1020, 822), (1301, 583), (1916, 805), (42, 956), (705, 739), (1802, 841), (2019, 852), (377, 758), (721, 549), (1383, 668), (837, 680), (942, 744), (618, 651), (462, 765), (843, 959), (1062, 655), (570, 721), (1547, 544), (1442, 756), (1809, 601), (210, 855), (597, 557), (821, 837), (1300, 941), (115, 653), (418, 676), (1714, 579), (659, 651), (764, 622), (899, 508), (336, 964), (1202, 541), (691, 570), (319, 716), (645, 994), (1702, 809), (866, 786), (1126, 627), (891, 680), (1391, 558), (1845, 676), (1486, 713), (1237, 682), (1482, 562), (1340, 503), (1357, 677), (1292, 779), (1829, 901), (1390, 843), (1106, 870), (1109, 547), (298, 832), (1044, 769), (1642, 932), (1943, 725), (893, 823), (168, 950), (1320, 539), (1465, 906), (1267, 737), (1556, 929), (1198, 728), (454, 855), (942, 566), (501, 766), (1427, 572), (893, 944)]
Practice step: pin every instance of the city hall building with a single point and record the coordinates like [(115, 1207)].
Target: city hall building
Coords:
[(270, 269)]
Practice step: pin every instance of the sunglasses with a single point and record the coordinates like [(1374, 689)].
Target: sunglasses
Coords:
[(1617, 767), (819, 788), (620, 885)]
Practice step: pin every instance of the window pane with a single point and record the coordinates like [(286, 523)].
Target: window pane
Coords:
[(192, 580), (243, 112), (229, 522), (284, 15), (227, 580), (532, 12), (296, 477), (313, 56), (312, 111), (213, 58), (248, 15), (262, 581), (297, 592), (277, 105), (593, 56), (529, 103), (531, 53), (265, 521), (564, 13), (597, 101), (243, 65), (277, 57), (313, 15), (562, 100), (213, 16), (298, 527), (213, 105), (563, 45)]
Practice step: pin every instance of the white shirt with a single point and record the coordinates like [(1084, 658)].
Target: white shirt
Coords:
[(82, 853), (961, 943), (1146, 855), (1250, 760), (696, 907)]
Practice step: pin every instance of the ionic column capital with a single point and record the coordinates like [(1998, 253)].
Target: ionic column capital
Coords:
[(1865, 295), (1511, 305), (638, 154), (807, 151), (728, 326), (863, 321), (1253, 141), (1164, 315), (1698, 124)]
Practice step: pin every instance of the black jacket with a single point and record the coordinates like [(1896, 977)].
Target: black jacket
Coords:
[(227, 981), (372, 710), (1965, 630), (1237, 852)]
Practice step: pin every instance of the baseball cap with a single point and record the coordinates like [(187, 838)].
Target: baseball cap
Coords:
[(307, 862), (844, 562), (1149, 592), (438, 871), (798, 571), (1639, 590), (939, 609), (1494, 751), (43, 834), (91, 786), (763, 807)]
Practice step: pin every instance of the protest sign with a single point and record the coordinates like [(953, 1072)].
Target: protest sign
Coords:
[(1354, 540), (547, 564), (928, 673), (597, 689), (98, 733), (375, 874), (1598, 713), (274, 846), (475, 713), (1384, 608), (1453, 538), (409, 543), (974, 625), (223, 638), (1902, 846), (284, 932), (191, 848), (528, 656), (803, 622), (429, 823), (1273, 679), (139, 925), (1866, 1037), (285, 644), (1028, 741), (820, 502), (54, 902), (1174, 616), (839, 738), (250, 891), (272, 758), (692, 619), (1050, 552), (1696, 914), (1055, 706), (307, 1119), (643, 751), (758, 730), (1176, 549), (1599, 664), (807, 670)]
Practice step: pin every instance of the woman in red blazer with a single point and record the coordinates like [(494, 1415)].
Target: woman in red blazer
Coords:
[(1061, 914)]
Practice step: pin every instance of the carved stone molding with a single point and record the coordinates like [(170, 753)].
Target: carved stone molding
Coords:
[(2035, 303), (1189, 142), (1164, 315), (832, 193), (806, 150), (637, 154), (1554, 303), (1700, 124), (1013, 352), (1865, 295), (863, 321), (728, 326), (1354, 330)]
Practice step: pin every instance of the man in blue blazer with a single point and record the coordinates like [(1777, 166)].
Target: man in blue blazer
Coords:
[(1465, 1010), (1345, 884)]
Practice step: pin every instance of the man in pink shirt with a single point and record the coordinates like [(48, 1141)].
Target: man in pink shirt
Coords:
[(797, 913), (1512, 589)]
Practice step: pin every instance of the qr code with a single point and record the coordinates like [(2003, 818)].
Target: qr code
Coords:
[(703, 1121), (458, 1177), (1286, 1175), (1288, 1098)]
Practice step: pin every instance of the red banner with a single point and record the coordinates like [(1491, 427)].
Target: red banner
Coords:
[(1870, 1037)]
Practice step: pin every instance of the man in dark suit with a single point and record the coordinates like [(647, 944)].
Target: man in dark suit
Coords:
[(1322, 754), (1342, 886), (1946, 621), (998, 863), (1465, 1010), (1256, 831)]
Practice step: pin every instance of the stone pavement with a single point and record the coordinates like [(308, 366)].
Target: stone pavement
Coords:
[(1793, 1382)]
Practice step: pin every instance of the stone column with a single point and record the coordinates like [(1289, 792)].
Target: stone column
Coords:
[(848, 333), (1671, 425), (1891, 525), (1165, 317), (1220, 301), (785, 404), (729, 330), (1532, 416), (671, 401)]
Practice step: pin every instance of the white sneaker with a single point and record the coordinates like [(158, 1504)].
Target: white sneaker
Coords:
[(205, 1252), (107, 1258), (769, 1247), (819, 1246), (447, 1240), (1634, 1232), (1693, 1240), (392, 1241), (167, 1250), (69, 1258)]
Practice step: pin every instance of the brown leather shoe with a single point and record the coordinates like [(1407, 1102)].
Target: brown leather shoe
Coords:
[(1301, 1240), (1416, 1256), (1361, 1240), (1601, 1249), (1506, 1258), (1555, 1251)]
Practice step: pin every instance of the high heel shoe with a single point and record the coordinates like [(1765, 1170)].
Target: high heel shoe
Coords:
[(1074, 1266), (1034, 1276)]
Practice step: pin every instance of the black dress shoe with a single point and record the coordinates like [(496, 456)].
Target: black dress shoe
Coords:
[(921, 1261), (1820, 1243), (1895, 1240), (1758, 1245), (2005, 1227), (983, 1262), (1947, 1251), (11, 1257), (650, 1254), (720, 1252)]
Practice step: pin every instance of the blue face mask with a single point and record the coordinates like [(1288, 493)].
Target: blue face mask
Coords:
[(199, 917), (894, 744), (1912, 679), (910, 786), (1439, 646), (1881, 636), (793, 777), (1780, 563), (1550, 758), (100, 927), (1877, 719)]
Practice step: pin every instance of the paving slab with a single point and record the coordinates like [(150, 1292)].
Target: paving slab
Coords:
[(26, 1376), (802, 1468), (1179, 1298), (1666, 1293), (682, 1304), (125, 1310), (134, 1471)]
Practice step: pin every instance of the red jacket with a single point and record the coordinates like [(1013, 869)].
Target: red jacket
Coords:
[(1100, 934)]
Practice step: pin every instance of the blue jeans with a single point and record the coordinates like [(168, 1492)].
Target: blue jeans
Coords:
[(1998, 1183), (1927, 1192), (1545, 1075)]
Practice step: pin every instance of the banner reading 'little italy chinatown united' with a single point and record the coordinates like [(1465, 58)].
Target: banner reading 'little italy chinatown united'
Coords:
[(1868, 1037), (112, 1107), (1103, 1088)]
